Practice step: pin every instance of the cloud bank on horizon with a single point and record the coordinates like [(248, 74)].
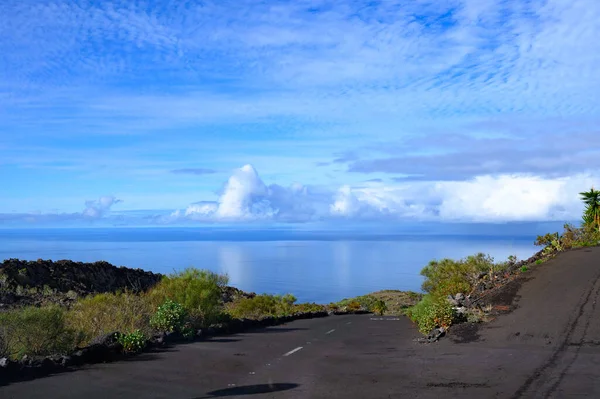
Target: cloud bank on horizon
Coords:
[(437, 110), (245, 197)]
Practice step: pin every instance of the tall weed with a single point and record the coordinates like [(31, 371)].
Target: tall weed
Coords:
[(37, 331), (102, 314)]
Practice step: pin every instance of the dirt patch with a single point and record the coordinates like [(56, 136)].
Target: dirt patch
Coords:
[(464, 333), (504, 299)]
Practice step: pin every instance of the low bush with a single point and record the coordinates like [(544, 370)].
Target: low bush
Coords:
[(432, 312), (379, 307), (37, 331), (353, 306), (308, 307), (365, 302), (524, 269), (169, 317), (261, 306), (198, 291), (102, 314), (132, 342)]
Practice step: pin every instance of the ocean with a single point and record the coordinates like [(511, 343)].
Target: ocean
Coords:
[(315, 266)]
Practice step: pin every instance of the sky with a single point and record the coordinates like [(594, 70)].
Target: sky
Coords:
[(293, 112)]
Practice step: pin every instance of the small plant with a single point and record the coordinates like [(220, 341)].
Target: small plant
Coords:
[(380, 307), (72, 295), (524, 269), (47, 291), (169, 317), (133, 342), (187, 330), (474, 317), (3, 278), (539, 262), (22, 272)]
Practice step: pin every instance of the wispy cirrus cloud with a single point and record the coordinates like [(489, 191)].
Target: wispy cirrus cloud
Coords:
[(411, 92)]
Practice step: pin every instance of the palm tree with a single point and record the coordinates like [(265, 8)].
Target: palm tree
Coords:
[(591, 214)]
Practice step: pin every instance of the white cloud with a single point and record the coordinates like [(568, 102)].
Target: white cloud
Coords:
[(501, 198), (98, 208), (246, 197)]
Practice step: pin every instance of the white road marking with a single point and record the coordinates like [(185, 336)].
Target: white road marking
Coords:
[(293, 351), (330, 331), (349, 322), (381, 318), (252, 372)]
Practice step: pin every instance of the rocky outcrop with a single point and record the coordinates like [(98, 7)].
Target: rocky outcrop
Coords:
[(44, 281), (61, 282), (66, 275)]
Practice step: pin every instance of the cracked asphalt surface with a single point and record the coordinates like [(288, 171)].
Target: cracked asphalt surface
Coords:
[(547, 347)]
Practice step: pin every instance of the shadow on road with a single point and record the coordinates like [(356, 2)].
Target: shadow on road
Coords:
[(249, 390)]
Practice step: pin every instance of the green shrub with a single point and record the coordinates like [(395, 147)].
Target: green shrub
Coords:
[(360, 302), (432, 312), (198, 291), (379, 307), (187, 330), (572, 237), (268, 305), (539, 262), (101, 314), (524, 269), (169, 317), (132, 342), (254, 308), (448, 276), (353, 306), (308, 307), (37, 331)]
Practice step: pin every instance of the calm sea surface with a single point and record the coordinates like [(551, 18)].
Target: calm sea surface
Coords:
[(314, 266)]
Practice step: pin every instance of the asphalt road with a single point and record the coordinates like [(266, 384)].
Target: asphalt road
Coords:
[(549, 346)]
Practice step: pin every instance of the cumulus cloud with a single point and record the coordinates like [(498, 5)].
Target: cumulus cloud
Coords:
[(486, 198), (246, 197)]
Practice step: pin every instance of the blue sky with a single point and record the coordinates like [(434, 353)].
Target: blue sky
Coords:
[(188, 112)]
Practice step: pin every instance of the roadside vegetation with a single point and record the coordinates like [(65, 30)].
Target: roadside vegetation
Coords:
[(181, 303), (446, 279), (193, 299), (385, 302)]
